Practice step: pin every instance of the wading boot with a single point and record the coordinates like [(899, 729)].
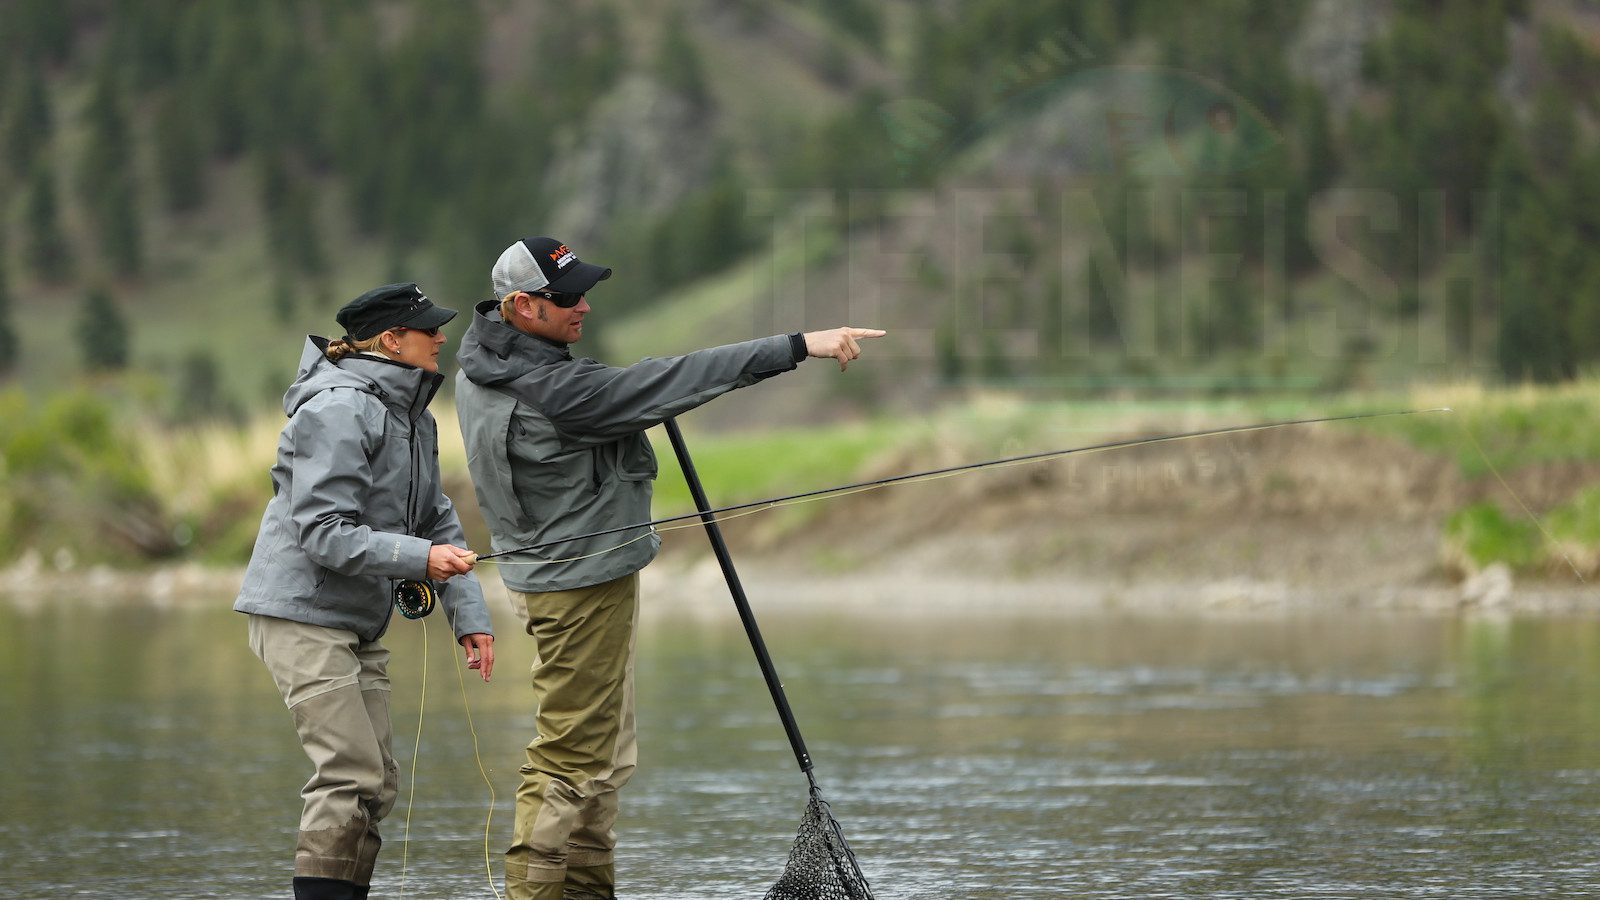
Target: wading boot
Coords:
[(591, 883), (306, 888)]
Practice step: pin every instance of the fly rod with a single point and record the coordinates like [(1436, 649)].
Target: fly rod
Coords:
[(950, 470)]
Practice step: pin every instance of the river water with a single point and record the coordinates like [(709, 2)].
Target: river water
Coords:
[(146, 755)]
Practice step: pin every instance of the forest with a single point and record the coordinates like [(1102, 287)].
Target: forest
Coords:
[(415, 136)]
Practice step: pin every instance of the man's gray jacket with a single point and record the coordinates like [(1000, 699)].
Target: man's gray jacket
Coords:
[(356, 500), (556, 445)]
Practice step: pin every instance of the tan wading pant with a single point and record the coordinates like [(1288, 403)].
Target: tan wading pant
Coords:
[(585, 750), (337, 688)]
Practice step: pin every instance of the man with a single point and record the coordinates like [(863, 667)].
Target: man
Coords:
[(556, 448)]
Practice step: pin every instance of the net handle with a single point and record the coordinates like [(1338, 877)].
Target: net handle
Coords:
[(725, 560)]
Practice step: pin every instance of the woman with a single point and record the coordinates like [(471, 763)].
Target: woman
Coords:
[(356, 508)]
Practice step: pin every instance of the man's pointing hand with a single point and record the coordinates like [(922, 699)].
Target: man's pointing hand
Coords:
[(839, 343)]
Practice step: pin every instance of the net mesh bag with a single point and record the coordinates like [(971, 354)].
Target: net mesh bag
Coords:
[(821, 866)]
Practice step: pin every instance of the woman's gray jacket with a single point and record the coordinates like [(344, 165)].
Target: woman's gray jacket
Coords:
[(356, 500)]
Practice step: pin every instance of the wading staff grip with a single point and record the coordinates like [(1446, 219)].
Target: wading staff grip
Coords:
[(725, 560)]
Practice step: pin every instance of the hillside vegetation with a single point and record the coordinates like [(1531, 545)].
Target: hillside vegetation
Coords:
[(1505, 477), (1147, 196)]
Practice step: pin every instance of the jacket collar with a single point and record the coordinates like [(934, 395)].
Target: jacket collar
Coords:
[(498, 335), (492, 352), (404, 389)]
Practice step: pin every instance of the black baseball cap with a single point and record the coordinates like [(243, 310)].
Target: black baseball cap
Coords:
[(543, 264), (390, 306)]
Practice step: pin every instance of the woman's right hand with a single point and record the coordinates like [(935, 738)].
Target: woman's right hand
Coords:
[(446, 562)]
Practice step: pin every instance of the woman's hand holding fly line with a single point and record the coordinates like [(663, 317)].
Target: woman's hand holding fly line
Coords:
[(839, 343), (480, 653), (446, 562)]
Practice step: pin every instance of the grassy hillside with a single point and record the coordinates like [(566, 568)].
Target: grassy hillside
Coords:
[(211, 279), (216, 294)]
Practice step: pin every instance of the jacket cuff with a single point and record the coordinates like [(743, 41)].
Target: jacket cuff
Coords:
[(463, 603), (403, 555), (797, 347)]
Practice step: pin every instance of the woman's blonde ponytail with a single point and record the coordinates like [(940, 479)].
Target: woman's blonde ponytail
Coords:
[(339, 348)]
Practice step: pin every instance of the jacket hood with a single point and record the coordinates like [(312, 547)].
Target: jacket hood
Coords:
[(403, 388), (493, 352)]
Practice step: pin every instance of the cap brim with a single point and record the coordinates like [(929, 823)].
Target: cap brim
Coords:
[(432, 317), (582, 277)]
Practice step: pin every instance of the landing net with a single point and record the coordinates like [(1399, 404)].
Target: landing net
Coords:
[(821, 866)]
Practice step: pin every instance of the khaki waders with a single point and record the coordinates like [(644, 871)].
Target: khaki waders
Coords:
[(337, 689), (586, 747)]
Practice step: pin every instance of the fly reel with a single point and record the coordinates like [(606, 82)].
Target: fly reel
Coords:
[(415, 599)]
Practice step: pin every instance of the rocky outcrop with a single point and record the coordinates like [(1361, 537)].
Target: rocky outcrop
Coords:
[(1333, 37), (642, 150)]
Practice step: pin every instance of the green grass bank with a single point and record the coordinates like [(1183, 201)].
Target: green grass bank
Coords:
[(83, 483)]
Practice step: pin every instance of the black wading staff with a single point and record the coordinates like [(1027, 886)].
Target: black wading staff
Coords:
[(821, 866)]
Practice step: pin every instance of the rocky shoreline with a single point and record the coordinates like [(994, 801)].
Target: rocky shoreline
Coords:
[(933, 581)]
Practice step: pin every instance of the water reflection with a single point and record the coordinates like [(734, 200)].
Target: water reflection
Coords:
[(147, 755)]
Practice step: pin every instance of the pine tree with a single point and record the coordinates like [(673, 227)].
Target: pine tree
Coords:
[(201, 394), (43, 27), (276, 89), (589, 44), (949, 360), (107, 153), (1553, 131), (146, 37), (121, 229), (861, 18), (48, 253), (300, 236), (283, 294), (27, 118), (228, 38), (106, 176), (10, 346), (103, 333), (435, 86), (355, 96), (678, 64), (180, 156), (289, 201)]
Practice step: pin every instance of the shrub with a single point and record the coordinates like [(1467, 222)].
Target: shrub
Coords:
[(69, 470), (1482, 534)]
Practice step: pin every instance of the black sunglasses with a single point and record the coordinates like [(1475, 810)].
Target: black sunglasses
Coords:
[(565, 301), (430, 332)]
